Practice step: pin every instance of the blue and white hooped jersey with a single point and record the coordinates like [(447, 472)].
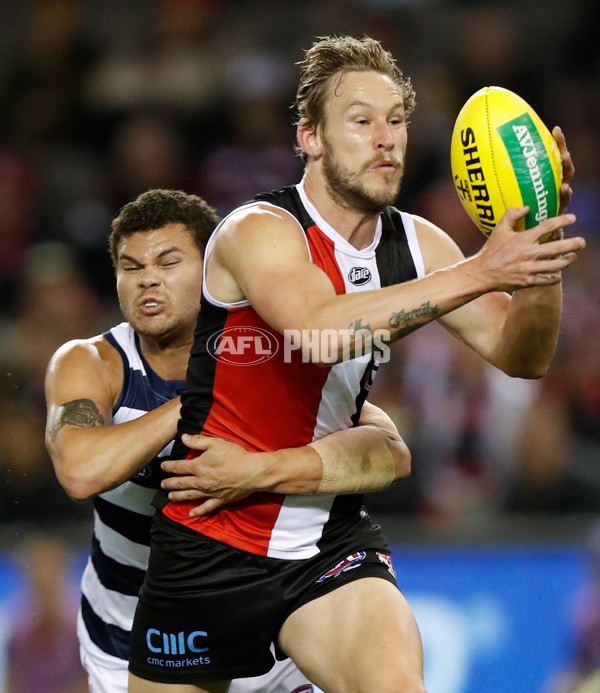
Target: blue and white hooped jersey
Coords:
[(123, 516)]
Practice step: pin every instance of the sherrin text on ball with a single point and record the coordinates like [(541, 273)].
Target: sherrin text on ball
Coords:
[(502, 155)]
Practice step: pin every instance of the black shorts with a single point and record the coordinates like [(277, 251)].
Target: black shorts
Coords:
[(210, 612)]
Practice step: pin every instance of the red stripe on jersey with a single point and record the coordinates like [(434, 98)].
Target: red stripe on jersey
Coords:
[(322, 250), (265, 406)]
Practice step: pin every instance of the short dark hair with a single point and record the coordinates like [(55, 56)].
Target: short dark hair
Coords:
[(154, 209), (332, 55)]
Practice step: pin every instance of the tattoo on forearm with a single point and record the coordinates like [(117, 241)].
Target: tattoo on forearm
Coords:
[(357, 327), (404, 322), (80, 412)]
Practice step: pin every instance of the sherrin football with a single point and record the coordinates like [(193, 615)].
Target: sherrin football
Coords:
[(502, 155)]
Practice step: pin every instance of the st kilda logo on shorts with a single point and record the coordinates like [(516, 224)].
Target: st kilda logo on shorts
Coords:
[(354, 560), (359, 275)]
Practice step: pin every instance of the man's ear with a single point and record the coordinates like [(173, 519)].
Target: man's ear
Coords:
[(308, 139)]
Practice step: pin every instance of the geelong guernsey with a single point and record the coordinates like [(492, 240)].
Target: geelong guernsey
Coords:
[(122, 517), (245, 384)]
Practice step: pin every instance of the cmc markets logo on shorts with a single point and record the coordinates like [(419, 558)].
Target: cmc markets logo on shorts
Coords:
[(359, 275), (186, 646), (242, 346)]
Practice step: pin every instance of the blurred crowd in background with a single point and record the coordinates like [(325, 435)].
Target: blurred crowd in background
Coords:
[(102, 99)]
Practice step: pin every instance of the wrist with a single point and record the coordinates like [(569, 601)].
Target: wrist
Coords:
[(469, 278), (290, 470), (266, 476)]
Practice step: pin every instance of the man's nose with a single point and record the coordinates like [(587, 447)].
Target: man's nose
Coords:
[(383, 137), (148, 276)]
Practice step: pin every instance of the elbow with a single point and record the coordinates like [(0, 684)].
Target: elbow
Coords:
[(402, 459), (78, 492), (527, 371), (532, 374), (78, 488), (529, 366)]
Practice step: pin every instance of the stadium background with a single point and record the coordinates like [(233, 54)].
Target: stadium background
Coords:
[(493, 535)]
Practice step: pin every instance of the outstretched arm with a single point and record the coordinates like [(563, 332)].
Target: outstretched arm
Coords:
[(367, 458), (260, 255), (516, 333), (89, 454)]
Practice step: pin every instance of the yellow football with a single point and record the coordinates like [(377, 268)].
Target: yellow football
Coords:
[(502, 155)]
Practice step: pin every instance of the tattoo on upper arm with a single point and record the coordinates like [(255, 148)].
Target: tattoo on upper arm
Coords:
[(83, 413), (404, 322)]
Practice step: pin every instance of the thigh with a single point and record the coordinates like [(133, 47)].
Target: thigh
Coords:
[(284, 677), (359, 638), (106, 674), (103, 678)]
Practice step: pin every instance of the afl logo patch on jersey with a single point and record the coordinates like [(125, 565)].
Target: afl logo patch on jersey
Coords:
[(242, 346), (359, 275)]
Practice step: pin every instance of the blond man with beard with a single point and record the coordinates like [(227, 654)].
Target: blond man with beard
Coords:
[(324, 268)]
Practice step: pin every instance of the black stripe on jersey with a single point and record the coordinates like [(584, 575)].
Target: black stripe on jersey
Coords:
[(197, 398), (394, 259), (108, 637), (366, 383), (114, 575), (289, 199), (132, 525), (395, 265)]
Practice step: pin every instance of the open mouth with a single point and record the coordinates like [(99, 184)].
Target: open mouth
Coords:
[(150, 307)]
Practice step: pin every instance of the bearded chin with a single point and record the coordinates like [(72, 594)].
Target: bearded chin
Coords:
[(347, 191)]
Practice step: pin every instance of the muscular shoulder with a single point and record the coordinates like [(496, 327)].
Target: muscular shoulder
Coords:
[(94, 350), (437, 247), (94, 358), (258, 220), (253, 241)]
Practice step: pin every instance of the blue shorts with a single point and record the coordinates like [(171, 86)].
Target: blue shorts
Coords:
[(210, 612)]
